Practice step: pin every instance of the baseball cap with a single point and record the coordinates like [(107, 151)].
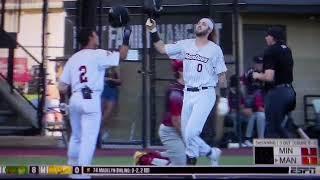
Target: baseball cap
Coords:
[(276, 32), (257, 59), (177, 65)]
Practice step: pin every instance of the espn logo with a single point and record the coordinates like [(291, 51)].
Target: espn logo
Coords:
[(302, 170), (309, 156)]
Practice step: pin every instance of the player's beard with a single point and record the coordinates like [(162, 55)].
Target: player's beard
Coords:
[(202, 33)]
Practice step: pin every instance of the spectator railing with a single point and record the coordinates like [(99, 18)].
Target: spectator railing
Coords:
[(309, 111)]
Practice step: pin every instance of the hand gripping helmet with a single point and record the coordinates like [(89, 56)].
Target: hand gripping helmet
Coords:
[(152, 8), (118, 16)]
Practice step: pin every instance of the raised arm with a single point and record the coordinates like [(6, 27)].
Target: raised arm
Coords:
[(123, 52), (159, 45), (108, 58), (125, 43), (157, 42)]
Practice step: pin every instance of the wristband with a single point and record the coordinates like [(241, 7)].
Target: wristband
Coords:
[(155, 37)]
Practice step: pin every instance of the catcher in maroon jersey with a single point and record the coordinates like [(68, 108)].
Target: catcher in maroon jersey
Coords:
[(170, 128)]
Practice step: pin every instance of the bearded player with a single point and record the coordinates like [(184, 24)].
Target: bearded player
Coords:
[(204, 67)]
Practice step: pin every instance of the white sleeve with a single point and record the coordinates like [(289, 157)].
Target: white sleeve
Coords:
[(107, 58), (175, 51), (65, 76), (220, 66)]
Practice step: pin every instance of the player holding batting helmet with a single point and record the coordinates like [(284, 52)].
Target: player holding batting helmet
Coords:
[(118, 16)]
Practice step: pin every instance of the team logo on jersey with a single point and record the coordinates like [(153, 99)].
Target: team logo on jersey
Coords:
[(196, 57)]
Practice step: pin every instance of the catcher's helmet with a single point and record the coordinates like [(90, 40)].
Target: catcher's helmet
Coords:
[(118, 16)]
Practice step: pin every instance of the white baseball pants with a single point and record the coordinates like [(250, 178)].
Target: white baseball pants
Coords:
[(85, 119), (172, 141), (195, 111)]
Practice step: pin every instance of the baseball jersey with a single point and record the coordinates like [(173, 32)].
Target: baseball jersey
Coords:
[(201, 66), (87, 68), (174, 101)]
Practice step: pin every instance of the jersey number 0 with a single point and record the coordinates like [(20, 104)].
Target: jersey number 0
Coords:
[(199, 67), (83, 71)]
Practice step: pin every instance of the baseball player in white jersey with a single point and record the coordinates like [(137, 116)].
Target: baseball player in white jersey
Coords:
[(84, 73), (204, 67)]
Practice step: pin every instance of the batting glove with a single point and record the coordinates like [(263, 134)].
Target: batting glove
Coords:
[(151, 25), (223, 106)]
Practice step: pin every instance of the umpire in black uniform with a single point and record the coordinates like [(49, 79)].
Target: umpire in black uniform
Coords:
[(278, 75)]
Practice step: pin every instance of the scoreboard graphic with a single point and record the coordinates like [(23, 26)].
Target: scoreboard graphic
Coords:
[(271, 157), (286, 152), (86, 171)]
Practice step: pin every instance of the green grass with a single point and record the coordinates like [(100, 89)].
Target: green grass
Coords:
[(121, 160)]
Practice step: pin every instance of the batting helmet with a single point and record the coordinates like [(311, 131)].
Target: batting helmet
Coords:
[(118, 16), (152, 8), (177, 65)]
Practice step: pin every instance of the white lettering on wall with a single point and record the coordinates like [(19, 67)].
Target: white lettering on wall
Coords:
[(169, 33)]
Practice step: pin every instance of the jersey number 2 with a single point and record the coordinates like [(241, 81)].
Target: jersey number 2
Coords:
[(83, 71), (199, 67)]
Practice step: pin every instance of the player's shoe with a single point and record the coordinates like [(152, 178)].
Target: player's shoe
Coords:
[(247, 143), (105, 137), (215, 156)]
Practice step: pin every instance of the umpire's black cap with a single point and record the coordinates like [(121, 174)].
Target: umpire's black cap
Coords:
[(277, 33), (118, 16)]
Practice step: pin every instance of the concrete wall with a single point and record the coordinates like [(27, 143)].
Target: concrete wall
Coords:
[(303, 36), (31, 31)]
